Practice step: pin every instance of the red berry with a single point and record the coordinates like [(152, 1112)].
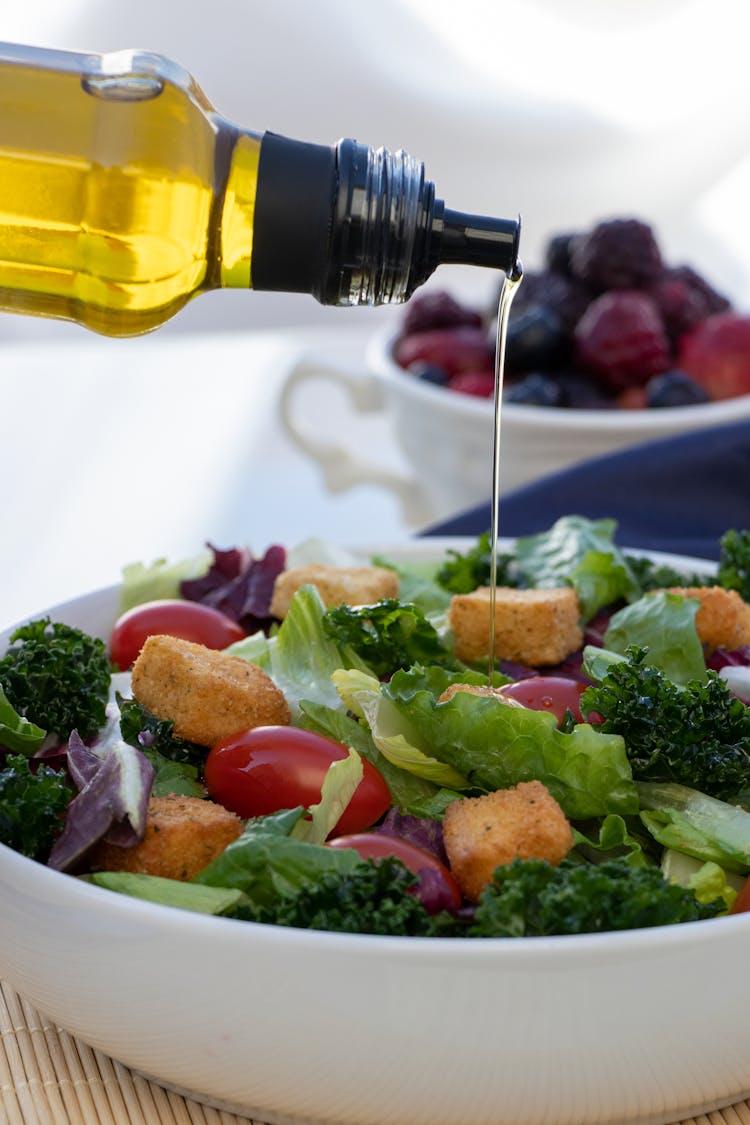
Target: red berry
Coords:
[(481, 384), (622, 339), (717, 355), (437, 309), (453, 349)]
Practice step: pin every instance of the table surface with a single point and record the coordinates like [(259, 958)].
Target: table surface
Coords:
[(114, 451)]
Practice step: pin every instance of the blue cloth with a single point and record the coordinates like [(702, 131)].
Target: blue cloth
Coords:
[(678, 494)]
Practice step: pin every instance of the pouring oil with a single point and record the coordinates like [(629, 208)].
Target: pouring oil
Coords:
[(508, 291)]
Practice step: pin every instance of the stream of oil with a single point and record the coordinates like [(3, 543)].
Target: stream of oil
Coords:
[(507, 293)]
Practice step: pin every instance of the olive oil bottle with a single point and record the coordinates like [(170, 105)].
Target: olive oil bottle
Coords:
[(123, 194)]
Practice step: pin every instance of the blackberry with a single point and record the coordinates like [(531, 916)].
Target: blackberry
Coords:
[(617, 254), (557, 254), (674, 388), (564, 296), (437, 310), (535, 389), (685, 299)]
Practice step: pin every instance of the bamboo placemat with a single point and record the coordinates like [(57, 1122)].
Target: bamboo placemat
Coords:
[(49, 1078)]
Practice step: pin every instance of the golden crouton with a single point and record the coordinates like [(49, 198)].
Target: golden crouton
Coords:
[(207, 694), (183, 835), (478, 689), (533, 627), (723, 618), (481, 833), (354, 585)]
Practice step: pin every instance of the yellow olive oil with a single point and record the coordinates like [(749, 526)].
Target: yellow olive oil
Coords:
[(508, 291), (108, 189)]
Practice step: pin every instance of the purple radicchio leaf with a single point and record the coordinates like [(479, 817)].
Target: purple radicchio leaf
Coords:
[(239, 585), (421, 831), (114, 788)]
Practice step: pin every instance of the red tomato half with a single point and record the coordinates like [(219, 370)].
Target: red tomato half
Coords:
[(742, 903), (555, 694), (260, 771), (190, 621), (375, 845)]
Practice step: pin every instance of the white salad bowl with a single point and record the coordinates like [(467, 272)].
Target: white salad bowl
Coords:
[(288, 1025), (446, 438)]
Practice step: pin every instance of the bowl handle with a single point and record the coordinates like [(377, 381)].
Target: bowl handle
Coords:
[(341, 469)]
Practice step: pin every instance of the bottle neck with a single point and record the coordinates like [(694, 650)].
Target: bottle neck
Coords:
[(354, 225)]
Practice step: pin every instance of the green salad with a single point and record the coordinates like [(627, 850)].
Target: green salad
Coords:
[(449, 798)]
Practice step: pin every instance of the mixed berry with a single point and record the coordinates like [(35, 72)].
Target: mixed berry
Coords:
[(605, 323)]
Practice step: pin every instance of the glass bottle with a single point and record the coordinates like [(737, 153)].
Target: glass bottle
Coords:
[(123, 194)]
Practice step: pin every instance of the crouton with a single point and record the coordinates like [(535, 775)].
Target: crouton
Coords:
[(478, 689), (723, 618), (183, 835), (353, 585), (481, 833), (206, 694), (532, 627)]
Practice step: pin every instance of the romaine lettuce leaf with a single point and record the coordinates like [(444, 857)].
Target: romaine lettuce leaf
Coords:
[(489, 745), (694, 823), (300, 658)]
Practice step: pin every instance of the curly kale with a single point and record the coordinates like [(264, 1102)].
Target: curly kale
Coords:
[(58, 677), (734, 562), (178, 764), (532, 898), (388, 635), (32, 806), (141, 728), (697, 735), (373, 898), (464, 571)]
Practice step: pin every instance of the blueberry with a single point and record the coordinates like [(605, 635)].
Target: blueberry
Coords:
[(582, 392), (535, 340), (675, 388), (535, 389), (428, 373)]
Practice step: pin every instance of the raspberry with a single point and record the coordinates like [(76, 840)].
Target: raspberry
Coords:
[(437, 310), (717, 355), (617, 254), (685, 299), (454, 349), (480, 384), (621, 338)]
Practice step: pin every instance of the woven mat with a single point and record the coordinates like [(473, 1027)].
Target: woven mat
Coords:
[(49, 1078)]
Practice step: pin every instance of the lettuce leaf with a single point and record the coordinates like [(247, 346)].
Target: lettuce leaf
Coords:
[(300, 658), (694, 823), (267, 860), (664, 624), (580, 552), (489, 745)]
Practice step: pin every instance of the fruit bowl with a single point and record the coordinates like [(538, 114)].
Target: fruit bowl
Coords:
[(582, 368)]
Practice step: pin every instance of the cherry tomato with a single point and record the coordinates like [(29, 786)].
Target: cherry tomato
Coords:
[(555, 694), (190, 621), (260, 771), (440, 890), (742, 903)]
